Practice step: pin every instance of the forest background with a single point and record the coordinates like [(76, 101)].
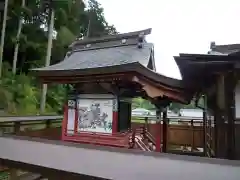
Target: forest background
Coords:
[(27, 36)]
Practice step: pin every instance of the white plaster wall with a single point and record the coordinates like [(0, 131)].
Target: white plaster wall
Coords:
[(237, 100)]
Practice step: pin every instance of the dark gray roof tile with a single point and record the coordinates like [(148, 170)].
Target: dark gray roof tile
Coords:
[(109, 38), (225, 49), (109, 55), (106, 57)]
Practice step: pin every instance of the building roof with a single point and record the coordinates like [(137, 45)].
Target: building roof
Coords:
[(111, 50), (224, 49), (201, 68), (128, 52), (104, 57), (94, 53), (126, 55)]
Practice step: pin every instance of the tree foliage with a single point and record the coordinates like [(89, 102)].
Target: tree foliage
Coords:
[(20, 93), (192, 105), (175, 107), (142, 103)]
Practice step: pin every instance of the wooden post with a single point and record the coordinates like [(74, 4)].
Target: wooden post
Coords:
[(230, 113), (146, 123), (132, 139), (16, 127), (164, 131), (192, 143), (48, 124), (204, 126), (158, 126), (13, 174), (220, 129)]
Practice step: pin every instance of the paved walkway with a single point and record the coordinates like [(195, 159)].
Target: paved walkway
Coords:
[(117, 164)]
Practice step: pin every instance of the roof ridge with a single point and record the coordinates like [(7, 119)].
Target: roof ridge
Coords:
[(109, 46), (111, 37), (77, 49), (225, 48), (220, 45)]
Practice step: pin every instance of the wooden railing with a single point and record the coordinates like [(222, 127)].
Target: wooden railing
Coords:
[(141, 144), (187, 134), (15, 124), (24, 124), (146, 134), (183, 133)]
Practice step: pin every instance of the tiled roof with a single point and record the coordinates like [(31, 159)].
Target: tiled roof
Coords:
[(120, 53), (202, 67), (108, 51), (224, 49), (105, 57)]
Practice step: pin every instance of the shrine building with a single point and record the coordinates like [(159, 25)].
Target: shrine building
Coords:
[(105, 73)]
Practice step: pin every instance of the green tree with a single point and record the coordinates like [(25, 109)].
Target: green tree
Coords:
[(98, 25), (48, 54), (16, 49), (20, 94), (142, 103)]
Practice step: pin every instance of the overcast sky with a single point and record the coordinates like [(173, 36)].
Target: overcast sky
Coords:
[(179, 26)]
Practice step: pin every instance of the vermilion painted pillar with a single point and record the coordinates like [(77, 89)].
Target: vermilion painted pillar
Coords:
[(115, 116), (158, 131)]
